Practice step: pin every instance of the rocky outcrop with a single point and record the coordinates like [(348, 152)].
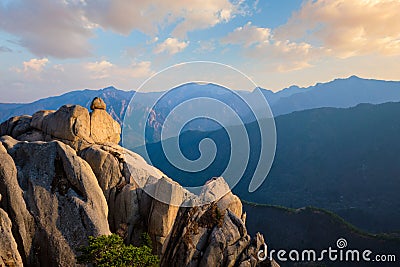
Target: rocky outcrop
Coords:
[(9, 254), (105, 166), (210, 235), (38, 118), (101, 134), (71, 124), (98, 118), (63, 177), (13, 202), (98, 103), (163, 212), (53, 199), (15, 126)]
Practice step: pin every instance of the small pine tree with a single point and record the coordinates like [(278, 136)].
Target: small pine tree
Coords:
[(107, 251), (146, 240)]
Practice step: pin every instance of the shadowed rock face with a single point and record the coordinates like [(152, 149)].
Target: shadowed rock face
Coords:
[(9, 254), (58, 199), (63, 177)]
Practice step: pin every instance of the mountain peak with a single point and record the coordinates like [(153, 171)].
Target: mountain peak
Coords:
[(110, 88), (354, 77)]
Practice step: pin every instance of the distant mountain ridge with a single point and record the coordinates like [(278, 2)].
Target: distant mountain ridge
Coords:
[(117, 101), (337, 93)]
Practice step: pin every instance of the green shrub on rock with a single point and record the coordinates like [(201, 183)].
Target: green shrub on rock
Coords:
[(105, 251)]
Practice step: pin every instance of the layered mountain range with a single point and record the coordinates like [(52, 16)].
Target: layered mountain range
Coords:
[(339, 93), (342, 160)]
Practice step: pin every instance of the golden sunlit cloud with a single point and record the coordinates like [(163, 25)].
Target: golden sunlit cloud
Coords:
[(33, 65), (347, 28), (171, 45)]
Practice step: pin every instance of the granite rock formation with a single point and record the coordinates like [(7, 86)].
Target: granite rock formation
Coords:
[(63, 177)]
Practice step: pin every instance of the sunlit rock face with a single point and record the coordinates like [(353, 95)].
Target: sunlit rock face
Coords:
[(63, 177)]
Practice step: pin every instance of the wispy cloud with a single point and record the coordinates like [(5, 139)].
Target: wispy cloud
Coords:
[(57, 28), (147, 16), (141, 69), (248, 35), (104, 69), (62, 29), (262, 46), (39, 78), (5, 49), (171, 46), (205, 46), (99, 69), (33, 65)]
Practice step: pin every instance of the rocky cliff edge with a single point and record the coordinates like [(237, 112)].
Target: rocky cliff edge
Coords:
[(63, 177)]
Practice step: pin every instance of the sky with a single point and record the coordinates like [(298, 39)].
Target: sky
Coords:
[(49, 47)]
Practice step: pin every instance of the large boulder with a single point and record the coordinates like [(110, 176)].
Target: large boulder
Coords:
[(212, 234), (70, 122), (103, 128), (105, 166), (206, 236), (122, 174), (168, 197), (21, 128), (38, 117), (54, 200), (226, 243), (9, 254), (124, 216), (16, 126), (13, 202), (98, 103), (213, 190)]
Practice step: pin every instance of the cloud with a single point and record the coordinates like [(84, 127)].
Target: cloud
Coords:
[(248, 35), (205, 46), (99, 69), (63, 28), (34, 65), (44, 79), (141, 69), (148, 16), (285, 56), (289, 56), (322, 30), (171, 45), (105, 69), (5, 49), (261, 45), (347, 28), (47, 28), (32, 69)]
